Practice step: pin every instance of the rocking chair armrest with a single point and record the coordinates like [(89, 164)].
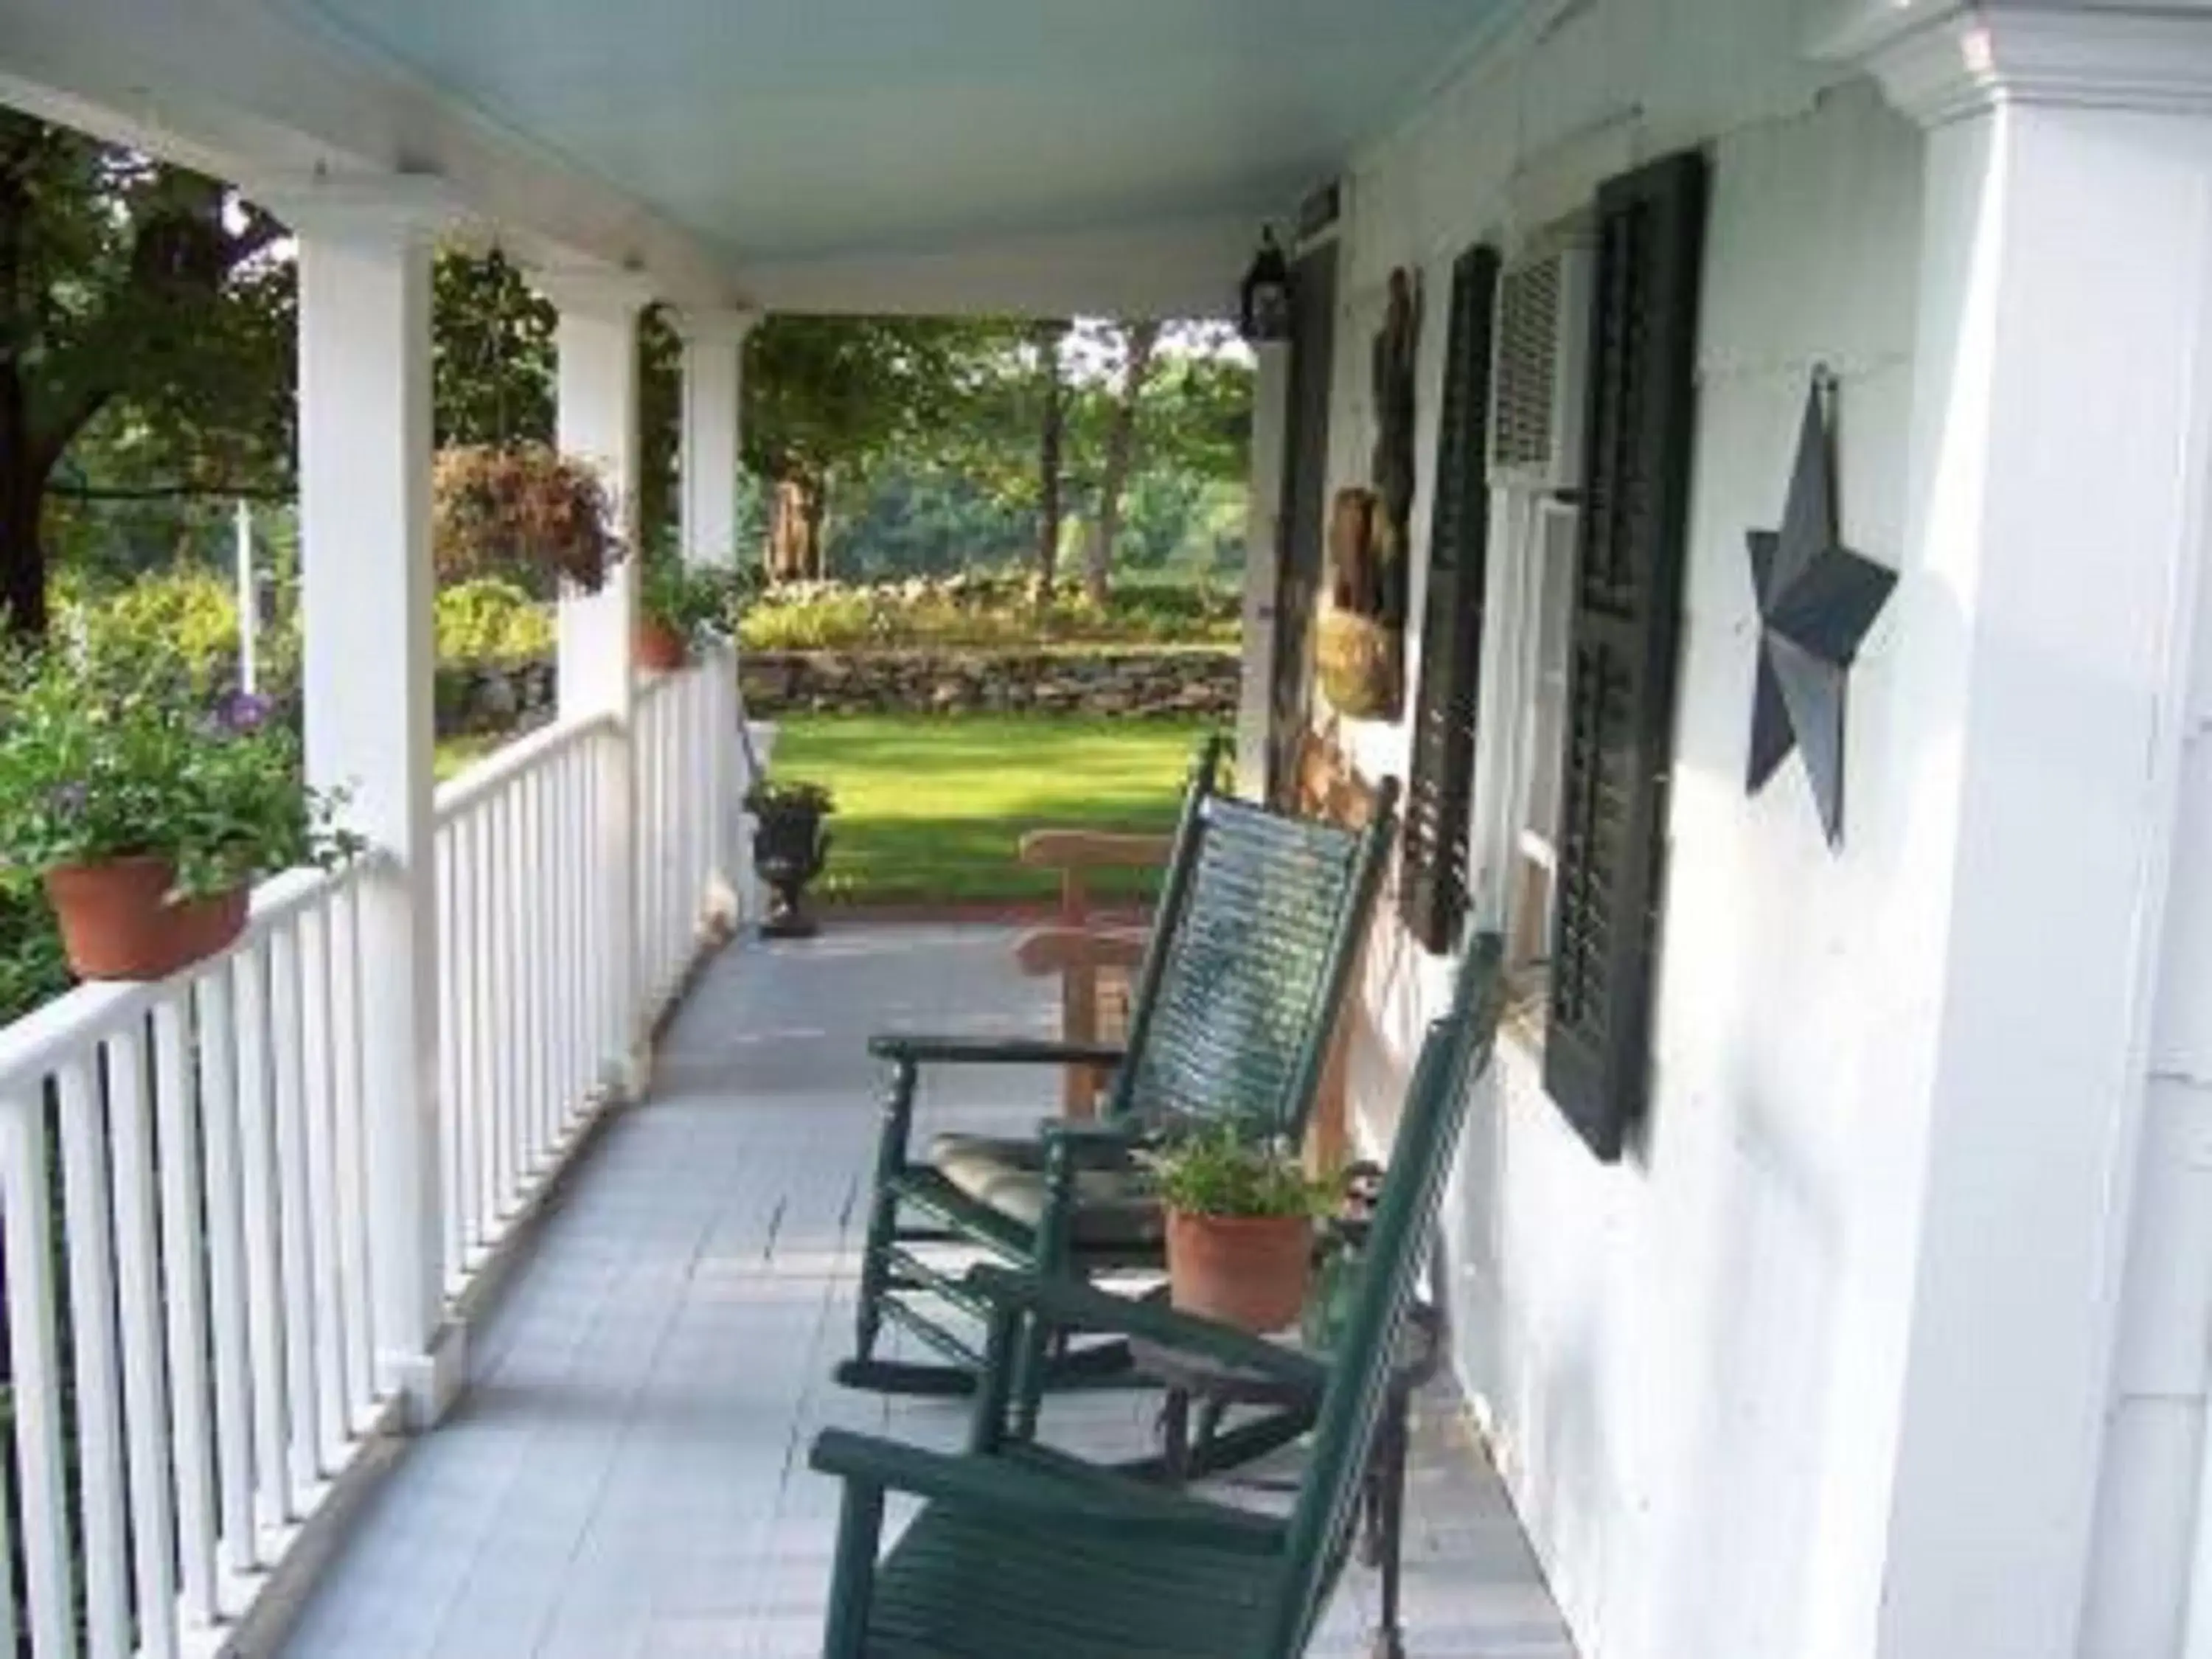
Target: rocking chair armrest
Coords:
[(1093, 849), (1070, 1304), (1002, 1488), (1062, 949), (1081, 1135), (905, 1049)]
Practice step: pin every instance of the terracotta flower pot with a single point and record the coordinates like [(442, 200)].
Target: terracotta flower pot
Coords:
[(117, 921), (1249, 1270), (659, 648)]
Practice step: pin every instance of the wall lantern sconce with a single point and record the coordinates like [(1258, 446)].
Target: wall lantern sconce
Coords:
[(1263, 310)]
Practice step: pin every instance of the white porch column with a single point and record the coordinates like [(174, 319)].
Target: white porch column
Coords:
[(2062, 434), (714, 388), (1263, 529), (366, 588), (597, 420)]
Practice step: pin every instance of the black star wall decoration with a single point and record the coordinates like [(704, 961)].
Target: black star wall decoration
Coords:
[(1817, 600)]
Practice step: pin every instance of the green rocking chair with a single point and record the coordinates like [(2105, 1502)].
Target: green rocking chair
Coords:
[(1260, 920), (1020, 1553)]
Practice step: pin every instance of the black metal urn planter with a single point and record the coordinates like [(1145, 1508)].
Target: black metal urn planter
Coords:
[(790, 846)]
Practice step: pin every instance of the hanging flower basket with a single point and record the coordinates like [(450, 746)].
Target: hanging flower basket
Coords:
[(522, 507)]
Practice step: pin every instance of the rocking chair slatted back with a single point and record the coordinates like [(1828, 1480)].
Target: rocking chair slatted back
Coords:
[(1261, 921), (1455, 1051)]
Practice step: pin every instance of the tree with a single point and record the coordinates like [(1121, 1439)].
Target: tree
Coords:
[(827, 398), (1052, 440), (491, 352), (139, 292), (1139, 341)]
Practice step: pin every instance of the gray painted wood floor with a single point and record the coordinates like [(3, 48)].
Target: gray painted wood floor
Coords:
[(627, 1477)]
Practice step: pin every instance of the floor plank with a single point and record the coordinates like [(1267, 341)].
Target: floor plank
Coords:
[(627, 1478)]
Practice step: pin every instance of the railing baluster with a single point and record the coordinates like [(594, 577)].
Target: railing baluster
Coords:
[(481, 1137), (545, 908), (351, 1157), (318, 1054), (257, 1145), (451, 1112), (90, 1243), (295, 1243), (457, 1039), (578, 821), (35, 1375), (145, 1390), (514, 1160), (227, 1294), (184, 1289), (529, 929)]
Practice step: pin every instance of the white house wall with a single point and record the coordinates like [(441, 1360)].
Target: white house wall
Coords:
[(1691, 1363)]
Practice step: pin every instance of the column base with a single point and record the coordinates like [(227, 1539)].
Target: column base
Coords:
[(432, 1382)]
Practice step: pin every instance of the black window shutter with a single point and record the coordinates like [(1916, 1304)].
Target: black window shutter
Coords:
[(1628, 595), (1432, 879)]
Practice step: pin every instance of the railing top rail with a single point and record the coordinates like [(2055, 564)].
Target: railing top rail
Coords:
[(511, 760), (57, 1032)]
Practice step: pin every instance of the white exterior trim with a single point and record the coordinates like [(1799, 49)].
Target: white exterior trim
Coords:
[(243, 91), (366, 588), (713, 430), (597, 420), (1960, 63)]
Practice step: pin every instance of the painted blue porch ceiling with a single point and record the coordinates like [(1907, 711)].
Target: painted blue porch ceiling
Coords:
[(782, 130)]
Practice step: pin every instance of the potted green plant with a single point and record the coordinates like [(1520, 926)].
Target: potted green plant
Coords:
[(676, 604), (143, 815), (1241, 1213), (790, 847), (503, 509)]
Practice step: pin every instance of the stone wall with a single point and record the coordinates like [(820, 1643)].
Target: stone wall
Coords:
[(1196, 683)]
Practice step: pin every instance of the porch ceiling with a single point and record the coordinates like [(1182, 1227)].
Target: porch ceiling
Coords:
[(791, 135)]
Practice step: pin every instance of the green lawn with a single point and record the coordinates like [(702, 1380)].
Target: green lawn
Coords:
[(930, 807)]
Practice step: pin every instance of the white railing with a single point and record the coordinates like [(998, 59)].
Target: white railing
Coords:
[(185, 1198), (182, 1176), (526, 999), (690, 780)]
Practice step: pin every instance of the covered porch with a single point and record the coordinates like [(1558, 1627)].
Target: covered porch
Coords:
[(627, 1473), (404, 1282)]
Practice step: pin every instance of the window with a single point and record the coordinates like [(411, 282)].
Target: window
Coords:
[(1540, 559)]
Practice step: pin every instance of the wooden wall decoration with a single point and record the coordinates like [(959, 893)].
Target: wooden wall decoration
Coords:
[(1328, 787), (1360, 648)]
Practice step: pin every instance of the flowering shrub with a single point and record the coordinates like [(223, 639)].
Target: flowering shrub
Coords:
[(106, 757), (983, 610), (492, 621)]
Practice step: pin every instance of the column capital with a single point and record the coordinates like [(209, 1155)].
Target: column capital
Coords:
[(363, 207), (604, 293), (713, 325), (1945, 60)]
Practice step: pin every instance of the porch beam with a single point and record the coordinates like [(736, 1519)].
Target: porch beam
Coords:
[(2053, 568), (367, 585), (596, 420), (712, 431)]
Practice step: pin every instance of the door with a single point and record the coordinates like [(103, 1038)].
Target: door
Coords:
[(1299, 531)]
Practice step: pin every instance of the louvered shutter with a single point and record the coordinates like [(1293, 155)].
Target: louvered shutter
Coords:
[(1628, 581), (1432, 879)]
